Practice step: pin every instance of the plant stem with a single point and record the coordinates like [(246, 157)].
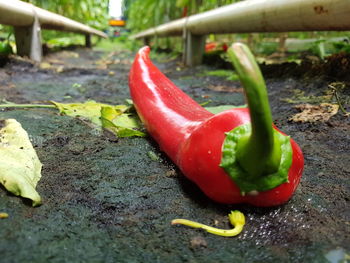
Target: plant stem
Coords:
[(27, 106), (236, 218), (332, 86), (258, 153)]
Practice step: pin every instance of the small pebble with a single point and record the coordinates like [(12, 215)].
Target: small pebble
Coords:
[(171, 173), (198, 242), (153, 156)]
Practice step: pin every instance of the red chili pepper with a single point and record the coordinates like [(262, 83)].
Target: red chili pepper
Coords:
[(236, 156), (214, 46)]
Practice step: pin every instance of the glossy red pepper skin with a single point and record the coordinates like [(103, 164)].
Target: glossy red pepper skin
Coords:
[(193, 137)]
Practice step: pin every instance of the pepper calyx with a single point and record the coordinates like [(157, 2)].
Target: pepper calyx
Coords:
[(253, 184)]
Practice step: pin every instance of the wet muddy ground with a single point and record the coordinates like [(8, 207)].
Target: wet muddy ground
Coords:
[(106, 200)]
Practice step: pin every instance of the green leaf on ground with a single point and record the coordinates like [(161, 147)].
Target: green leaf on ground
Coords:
[(223, 73), (121, 124), (89, 110), (116, 118), (221, 108), (20, 167), (153, 156)]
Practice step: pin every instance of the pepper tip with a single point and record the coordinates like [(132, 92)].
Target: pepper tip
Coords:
[(145, 50)]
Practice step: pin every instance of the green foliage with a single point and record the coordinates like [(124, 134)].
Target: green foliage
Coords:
[(65, 41), (143, 14), (317, 48), (6, 32), (5, 44), (342, 46), (118, 43), (266, 48), (5, 48), (227, 74), (211, 4), (90, 12)]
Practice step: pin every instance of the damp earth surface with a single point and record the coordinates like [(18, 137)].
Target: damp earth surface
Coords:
[(109, 199)]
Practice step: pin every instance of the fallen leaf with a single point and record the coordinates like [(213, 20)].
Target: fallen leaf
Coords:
[(45, 65), (55, 61), (20, 167), (69, 54), (225, 88), (298, 96), (314, 113), (4, 215), (59, 69), (89, 110), (153, 156), (115, 118), (121, 124), (227, 74), (221, 108)]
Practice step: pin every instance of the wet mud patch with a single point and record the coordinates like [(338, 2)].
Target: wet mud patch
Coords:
[(106, 200)]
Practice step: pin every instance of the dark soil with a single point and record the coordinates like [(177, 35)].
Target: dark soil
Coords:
[(106, 200)]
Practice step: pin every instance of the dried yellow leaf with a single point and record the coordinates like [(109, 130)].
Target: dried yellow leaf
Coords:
[(4, 215), (20, 167), (314, 113)]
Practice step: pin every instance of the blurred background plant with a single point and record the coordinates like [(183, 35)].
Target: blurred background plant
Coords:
[(143, 14), (90, 12)]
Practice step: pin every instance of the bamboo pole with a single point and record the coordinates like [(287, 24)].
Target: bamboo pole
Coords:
[(20, 14), (253, 16), (261, 16), (28, 20)]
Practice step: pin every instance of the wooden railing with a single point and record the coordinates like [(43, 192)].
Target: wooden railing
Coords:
[(28, 20), (253, 16)]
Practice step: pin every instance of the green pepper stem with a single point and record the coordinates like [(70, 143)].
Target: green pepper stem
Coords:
[(258, 153)]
